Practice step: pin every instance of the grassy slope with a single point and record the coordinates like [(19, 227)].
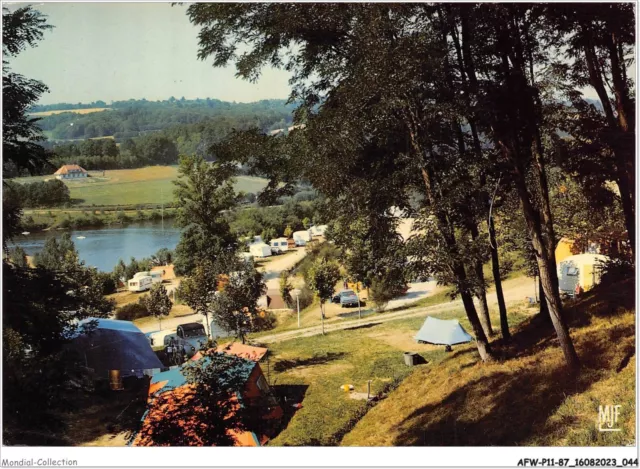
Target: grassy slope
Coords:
[(153, 184), (321, 364), (525, 398)]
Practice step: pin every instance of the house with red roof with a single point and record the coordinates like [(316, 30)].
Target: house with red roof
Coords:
[(71, 171)]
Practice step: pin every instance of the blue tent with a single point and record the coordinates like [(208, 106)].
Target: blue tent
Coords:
[(109, 344), (442, 332)]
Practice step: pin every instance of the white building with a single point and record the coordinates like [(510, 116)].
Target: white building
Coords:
[(71, 171)]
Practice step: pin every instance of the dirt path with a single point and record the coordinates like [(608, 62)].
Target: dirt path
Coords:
[(277, 264), (515, 290)]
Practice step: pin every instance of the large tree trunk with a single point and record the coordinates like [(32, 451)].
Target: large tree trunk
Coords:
[(495, 267), (548, 275), (544, 307), (481, 292), (481, 339)]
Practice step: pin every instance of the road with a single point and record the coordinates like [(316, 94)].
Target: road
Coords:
[(515, 290), (277, 264)]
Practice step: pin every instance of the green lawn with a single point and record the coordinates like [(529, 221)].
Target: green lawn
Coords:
[(319, 365), (150, 185)]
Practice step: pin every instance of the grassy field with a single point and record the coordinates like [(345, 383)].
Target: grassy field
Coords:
[(527, 396), (75, 111), (315, 368), (150, 185)]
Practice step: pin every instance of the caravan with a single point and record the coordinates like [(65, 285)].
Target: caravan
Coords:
[(581, 270), (279, 245), (301, 238), (156, 276), (260, 250), (140, 283)]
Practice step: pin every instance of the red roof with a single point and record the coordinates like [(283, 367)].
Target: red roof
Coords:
[(70, 168), (248, 352)]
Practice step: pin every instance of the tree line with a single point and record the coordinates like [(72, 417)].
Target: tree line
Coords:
[(52, 193), (131, 118)]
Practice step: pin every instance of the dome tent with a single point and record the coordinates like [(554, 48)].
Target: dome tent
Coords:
[(442, 332)]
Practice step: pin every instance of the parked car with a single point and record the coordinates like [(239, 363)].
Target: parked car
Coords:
[(188, 339), (346, 298)]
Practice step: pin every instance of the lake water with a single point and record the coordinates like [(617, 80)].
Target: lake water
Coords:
[(103, 247)]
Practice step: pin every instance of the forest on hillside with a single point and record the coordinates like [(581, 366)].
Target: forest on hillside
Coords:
[(137, 133), (133, 117)]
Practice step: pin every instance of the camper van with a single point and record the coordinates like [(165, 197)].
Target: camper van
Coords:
[(140, 283), (279, 245), (301, 237)]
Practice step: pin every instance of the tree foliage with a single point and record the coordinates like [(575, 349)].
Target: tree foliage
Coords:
[(203, 192), (204, 412)]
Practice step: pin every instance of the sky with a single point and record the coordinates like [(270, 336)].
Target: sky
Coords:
[(119, 51)]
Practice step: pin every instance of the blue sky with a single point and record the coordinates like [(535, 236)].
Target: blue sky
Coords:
[(117, 51)]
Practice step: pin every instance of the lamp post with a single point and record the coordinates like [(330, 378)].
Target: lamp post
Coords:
[(296, 293)]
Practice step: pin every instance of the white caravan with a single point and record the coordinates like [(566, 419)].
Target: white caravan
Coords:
[(260, 250), (301, 238), (141, 283), (279, 245)]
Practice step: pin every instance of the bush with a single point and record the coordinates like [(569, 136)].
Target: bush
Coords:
[(306, 297), (384, 289), (264, 321), (616, 270), (106, 282), (132, 311)]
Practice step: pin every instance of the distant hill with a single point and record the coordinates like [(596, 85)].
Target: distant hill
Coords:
[(133, 118)]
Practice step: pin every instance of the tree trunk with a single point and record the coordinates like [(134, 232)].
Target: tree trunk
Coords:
[(322, 316), (481, 293), (481, 339), (467, 69), (495, 267), (548, 276), (544, 307)]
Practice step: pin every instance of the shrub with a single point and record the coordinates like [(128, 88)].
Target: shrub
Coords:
[(616, 269), (264, 321), (132, 311), (306, 297), (382, 290), (66, 223), (106, 282)]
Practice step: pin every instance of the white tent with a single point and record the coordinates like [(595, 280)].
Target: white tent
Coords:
[(582, 269), (260, 250), (442, 332)]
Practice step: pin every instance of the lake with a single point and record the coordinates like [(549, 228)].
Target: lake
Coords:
[(103, 247)]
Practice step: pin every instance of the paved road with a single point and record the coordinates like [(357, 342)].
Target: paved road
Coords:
[(515, 290)]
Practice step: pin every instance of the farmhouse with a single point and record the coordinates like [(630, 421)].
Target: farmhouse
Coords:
[(71, 171)]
